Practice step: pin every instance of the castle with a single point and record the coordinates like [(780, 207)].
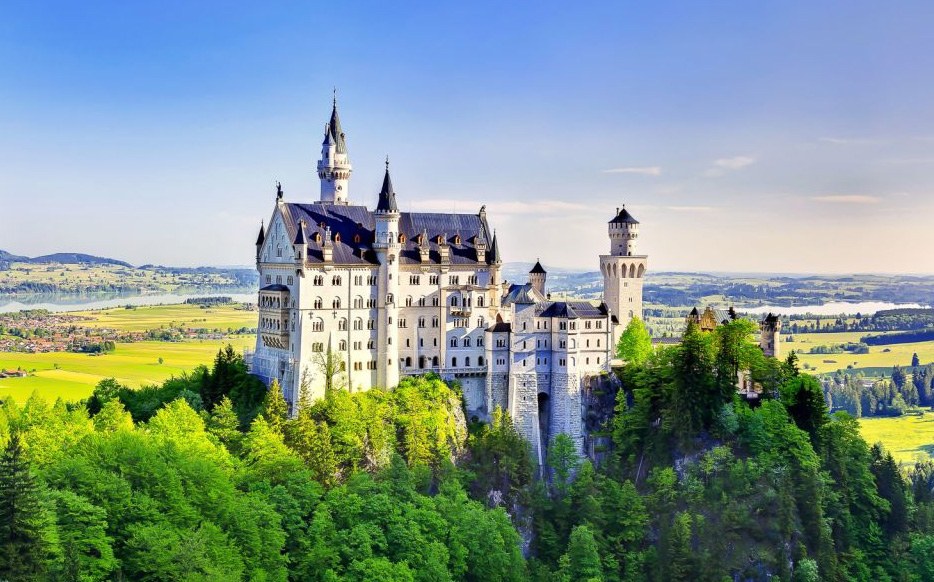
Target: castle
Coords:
[(372, 295)]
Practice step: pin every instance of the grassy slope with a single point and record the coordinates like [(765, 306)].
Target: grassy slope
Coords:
[(189, 316)]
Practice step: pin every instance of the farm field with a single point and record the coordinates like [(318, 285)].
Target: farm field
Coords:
[(897, 354), (72, 376), (909, 438), (221, 317)]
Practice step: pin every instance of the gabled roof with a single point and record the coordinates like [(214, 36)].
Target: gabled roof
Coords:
[(572, 309), (623, 217), (353, 230), (387, 196), (522, 294), (538, 269)]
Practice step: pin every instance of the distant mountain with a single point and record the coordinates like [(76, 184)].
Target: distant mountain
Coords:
[(77, 259), (63, 258)]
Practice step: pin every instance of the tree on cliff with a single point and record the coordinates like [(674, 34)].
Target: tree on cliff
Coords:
[(635, 345)]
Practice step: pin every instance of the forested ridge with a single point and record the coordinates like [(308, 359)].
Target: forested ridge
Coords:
[(206, 477)]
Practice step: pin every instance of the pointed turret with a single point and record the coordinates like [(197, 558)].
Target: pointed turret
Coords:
[(387, 196), (334, 168), (495, 257), (538, 269), (262, 234), (336, 134)]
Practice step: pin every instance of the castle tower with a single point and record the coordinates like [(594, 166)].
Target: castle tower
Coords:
[(770, 329), (334, 167), (387, 248), (537, 277), (623, 271)]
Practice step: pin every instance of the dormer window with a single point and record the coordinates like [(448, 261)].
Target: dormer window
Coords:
[(321, 224), (356, 238), (401, 238), (457, 239), (318, 237), (337, 237), (440, 239), (420, 239)]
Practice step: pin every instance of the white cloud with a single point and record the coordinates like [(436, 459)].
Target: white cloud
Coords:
[(734, 163), (645, 171), (847, 199)]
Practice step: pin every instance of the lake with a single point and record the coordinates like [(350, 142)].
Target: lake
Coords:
[(82, 303), (833, 308)]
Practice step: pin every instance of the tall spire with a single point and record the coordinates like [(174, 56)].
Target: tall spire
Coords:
[(262, 234), (387, 196), (334, 127)]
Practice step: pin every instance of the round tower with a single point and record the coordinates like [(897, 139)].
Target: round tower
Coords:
[(537, 277), (388, 247), (623, 271), (334, 166), (770, 330)]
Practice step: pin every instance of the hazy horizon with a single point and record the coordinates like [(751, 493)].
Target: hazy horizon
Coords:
[(775, 137)]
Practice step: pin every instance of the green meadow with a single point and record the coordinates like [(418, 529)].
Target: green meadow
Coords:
[(878, 356), (73, 376), (909, 438), (162, 316)]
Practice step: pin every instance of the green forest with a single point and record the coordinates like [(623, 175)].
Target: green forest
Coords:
[(208, 477)]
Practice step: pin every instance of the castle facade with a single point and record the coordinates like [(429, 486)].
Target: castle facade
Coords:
[(358, 298)]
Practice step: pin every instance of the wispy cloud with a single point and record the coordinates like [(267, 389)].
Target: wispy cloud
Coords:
[(847, 199), (689, 208), (504, 206), (734, 163), (645, 171), (723, 165), (847, 140)]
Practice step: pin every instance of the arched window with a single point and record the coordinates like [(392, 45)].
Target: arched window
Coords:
[(467, 362), (421, 362), (632, 271), (480, 361), (434, 361), (457, 239), (641, 271), (336, 280), (454, 301), (358, 302), (318, 303), (454, 362), (318, 237), (337, 237), (317, 325), (336, 303), (389, 299), (358, 324), (342, 346), (356, 239), (480, 301), (401, 238), (408, 362), (342, 324), (408, 301)]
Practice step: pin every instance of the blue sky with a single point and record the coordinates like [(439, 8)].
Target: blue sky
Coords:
[(746, 136)]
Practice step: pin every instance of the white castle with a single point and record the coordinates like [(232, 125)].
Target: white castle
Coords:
[(386, 293)]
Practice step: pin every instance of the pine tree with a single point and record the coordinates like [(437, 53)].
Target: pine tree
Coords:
[(275, 409), (915, 360), (224, 424), (27, 541), (582, 562), (311, 440)]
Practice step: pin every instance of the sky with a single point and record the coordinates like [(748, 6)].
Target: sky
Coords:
[(768, 136)]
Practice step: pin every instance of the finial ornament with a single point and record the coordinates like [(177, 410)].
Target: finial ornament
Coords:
[(278, 190), (335, 96), (387, 162)]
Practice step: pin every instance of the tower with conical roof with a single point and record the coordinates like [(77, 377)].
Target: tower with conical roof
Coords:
[(537, 277), (623, 271), (334, 166)]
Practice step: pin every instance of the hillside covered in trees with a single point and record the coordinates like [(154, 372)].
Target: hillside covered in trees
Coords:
[(207, 478)]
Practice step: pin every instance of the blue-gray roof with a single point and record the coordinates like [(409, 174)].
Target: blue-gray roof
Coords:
[(353, 232), (572, 309), (623, 217), (387, 196), (522, 294)]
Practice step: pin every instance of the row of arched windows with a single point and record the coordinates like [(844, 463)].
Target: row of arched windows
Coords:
[(633, 271)]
